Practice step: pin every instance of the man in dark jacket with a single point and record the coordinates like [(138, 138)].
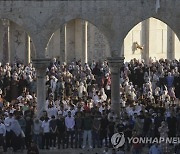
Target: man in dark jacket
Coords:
[(53, 130), (172, 125), (103, 130), (87, 127), (78, 129), (177, 85), (96, 130), (61, 131), (111, 130)]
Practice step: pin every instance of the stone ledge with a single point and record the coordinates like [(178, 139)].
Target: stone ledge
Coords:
[(115, 60), (41, 63)]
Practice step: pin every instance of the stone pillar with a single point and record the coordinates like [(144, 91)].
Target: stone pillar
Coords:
[(84, 54), (170, 44), (63, 52), (41, 66), (145, 40), (81, 40), (27, 57), (70, 41), (90, 42), (6, 41), (115, 64)]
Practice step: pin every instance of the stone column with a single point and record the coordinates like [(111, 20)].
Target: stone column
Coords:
[(6, 41), (115, 64), (145, 40), (84, 54), (27, 57), (81, 40), (70, 41), (170, 44), (90, 42), (63, 52), (41, 66)]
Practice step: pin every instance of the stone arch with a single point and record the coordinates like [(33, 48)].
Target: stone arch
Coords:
[(27, 24), (60, 25), (141, 10), (56, 21), (167, 21), (170, 22), (141, 42), (14, 39)]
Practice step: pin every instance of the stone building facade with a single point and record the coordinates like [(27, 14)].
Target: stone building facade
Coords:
[(157, 38), (79, 39)]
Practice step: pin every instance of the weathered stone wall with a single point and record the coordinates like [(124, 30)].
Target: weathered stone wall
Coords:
[(101, 47), (53, 47), (17, 43), (70, 41), (40, 19), (97, 44)]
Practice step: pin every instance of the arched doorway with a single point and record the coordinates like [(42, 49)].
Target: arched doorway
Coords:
[(78, 40), (151, 38), (15, 44)]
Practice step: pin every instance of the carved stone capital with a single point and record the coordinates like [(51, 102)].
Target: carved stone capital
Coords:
[(115, 64), (41, 66)]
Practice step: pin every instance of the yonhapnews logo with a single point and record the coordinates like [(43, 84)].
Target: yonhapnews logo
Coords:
[(118, 140)]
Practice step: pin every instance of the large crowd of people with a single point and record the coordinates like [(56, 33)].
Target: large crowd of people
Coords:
[(77, 109)]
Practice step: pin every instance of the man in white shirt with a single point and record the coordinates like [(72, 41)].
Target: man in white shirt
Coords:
[(46, 133), (96, 98), (62, 111), (70, 123), (72, 110), (53, 84), (52, 111), (81, 89)]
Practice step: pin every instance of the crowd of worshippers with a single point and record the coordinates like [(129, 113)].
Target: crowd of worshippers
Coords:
[(77, 109)]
